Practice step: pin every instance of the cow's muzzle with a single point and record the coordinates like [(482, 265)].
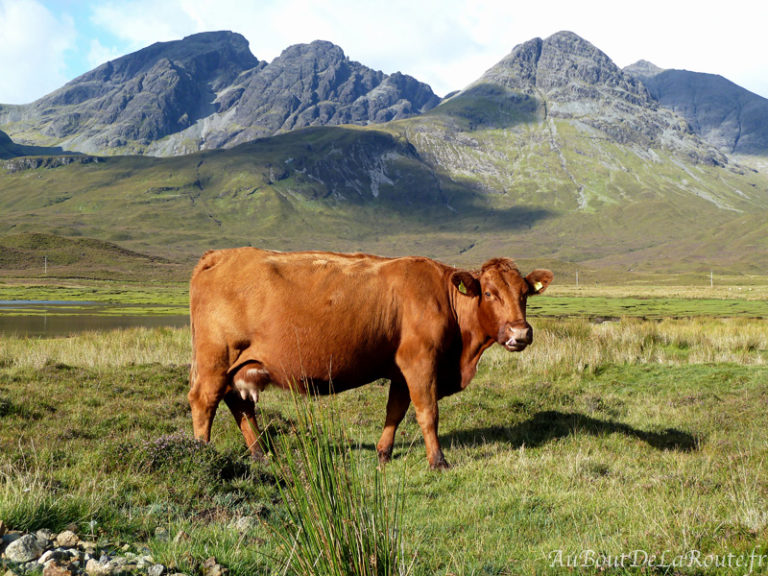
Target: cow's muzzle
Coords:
[(516, 338)]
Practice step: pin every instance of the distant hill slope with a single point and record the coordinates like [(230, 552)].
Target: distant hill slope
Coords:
[(724, 114), (9, 148), (209, 91), (53, 256)]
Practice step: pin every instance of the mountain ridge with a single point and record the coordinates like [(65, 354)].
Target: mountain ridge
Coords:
[(730, 117), (208, 91)]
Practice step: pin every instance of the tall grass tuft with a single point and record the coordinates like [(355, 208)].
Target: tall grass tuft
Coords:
[(340, 520)]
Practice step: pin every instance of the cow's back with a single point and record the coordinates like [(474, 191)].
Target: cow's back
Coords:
[(313, 315)]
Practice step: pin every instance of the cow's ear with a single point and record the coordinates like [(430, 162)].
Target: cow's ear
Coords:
[(539, 279), (465, 283)]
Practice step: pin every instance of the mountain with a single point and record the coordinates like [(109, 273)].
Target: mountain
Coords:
[(571, 79), (557, 126), (554, 154), (731, 118), (209, 91)]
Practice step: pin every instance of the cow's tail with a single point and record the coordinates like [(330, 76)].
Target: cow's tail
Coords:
[(193, 362), (208, 260)]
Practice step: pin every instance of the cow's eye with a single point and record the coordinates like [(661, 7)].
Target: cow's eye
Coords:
[(487, 294)]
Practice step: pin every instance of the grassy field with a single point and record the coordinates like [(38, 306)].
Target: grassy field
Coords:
[(606, 443)]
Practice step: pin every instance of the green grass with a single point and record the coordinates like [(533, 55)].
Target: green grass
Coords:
[(611, 437), (114, 297), (647, 307)]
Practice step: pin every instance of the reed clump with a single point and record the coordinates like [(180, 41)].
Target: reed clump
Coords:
[(342, 516)]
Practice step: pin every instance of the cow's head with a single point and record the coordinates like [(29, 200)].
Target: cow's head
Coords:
[(501, 293)]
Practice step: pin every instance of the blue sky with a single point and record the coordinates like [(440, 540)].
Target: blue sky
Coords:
[(445, 43)]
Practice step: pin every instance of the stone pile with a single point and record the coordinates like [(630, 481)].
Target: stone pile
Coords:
[(65, 554)]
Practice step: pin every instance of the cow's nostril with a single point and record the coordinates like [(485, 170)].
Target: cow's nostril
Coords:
[(522, 335)]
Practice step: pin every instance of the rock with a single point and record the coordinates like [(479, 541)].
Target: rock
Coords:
[(87, 546), (11, 536), (245, 524), (55, 569), (161, 533), (57, 555), (67, 539), (99, 567), (156, 570), (44, 537), (212, 568), (25, 549)]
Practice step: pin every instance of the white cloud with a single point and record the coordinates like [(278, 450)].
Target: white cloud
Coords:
[(139, 23), (33, 50), (98, 54)]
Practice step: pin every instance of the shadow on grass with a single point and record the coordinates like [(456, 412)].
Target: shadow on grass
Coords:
[(544, 427)]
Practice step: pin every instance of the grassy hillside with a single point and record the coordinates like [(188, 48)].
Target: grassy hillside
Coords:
[(472, 179), (607, 205), (345, 189), (48, 256)]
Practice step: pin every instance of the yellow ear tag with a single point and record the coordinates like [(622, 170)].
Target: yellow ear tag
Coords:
[(462, 288), (538, 286)]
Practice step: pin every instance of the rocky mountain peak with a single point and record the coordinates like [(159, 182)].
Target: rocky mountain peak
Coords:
[(320, 52), (208, 91), (213, 58), (724, 114), (571, 79), (643, 69), (563, 67), (309, 85)]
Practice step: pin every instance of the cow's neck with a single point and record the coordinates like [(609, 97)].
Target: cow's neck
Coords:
[(473, 340)]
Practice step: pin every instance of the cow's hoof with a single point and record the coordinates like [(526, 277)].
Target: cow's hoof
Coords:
[(384, 457), (261, 457), (440, 465)]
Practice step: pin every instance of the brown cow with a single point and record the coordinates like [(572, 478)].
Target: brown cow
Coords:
[(339, 321)]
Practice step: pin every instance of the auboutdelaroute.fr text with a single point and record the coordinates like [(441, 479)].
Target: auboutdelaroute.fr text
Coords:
[(744, 562)]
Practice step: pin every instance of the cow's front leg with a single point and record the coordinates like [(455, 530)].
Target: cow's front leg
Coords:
[(427, 417), (421, 377), (206, 391), (397, 406)]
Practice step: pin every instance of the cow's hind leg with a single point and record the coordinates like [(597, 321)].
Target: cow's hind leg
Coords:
[(244, 411), (397, 406), (247, 381)]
